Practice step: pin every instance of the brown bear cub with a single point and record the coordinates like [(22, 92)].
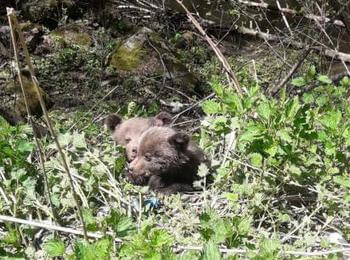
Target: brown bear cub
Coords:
[(127, 133), (166, 160)]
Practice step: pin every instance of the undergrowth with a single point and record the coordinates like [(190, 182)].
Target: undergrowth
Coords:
[(280, 186)]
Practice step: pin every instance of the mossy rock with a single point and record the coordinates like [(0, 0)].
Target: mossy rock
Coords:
[(75, 34), (131, 53), (145, 53), (127, 59)]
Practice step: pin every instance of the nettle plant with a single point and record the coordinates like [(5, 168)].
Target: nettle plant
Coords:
[(302, 139)]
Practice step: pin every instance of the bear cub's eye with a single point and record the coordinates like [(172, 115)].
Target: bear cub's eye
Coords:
[(148, 157), (127, 140)]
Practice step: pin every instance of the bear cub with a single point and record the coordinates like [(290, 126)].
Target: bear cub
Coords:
[(166, 160), (127, 133)]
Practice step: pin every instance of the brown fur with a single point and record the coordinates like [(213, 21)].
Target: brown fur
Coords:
[(128, 132), (166, 160)]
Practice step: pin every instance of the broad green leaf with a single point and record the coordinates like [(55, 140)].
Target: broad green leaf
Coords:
[(89, 220), (252, 132), (54, 248), (244, 226), (342, 181), (345, 82), (210, 252), (311, 72), (63, 139), (79, 140), (308, 98), (233, 102), (25, 146), (121, 224), (264, 110), (324, 79), (299, 82), (294, 169), (256, 159), (331, 119), (292, 108), (218, 88), (211, 107), (272, 149), (98, 250), (11, 237), (269, 248), (284, 135), (322, 100), (232, 197)]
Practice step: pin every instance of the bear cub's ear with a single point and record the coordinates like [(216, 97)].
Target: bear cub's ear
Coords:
[(179, 140), (163, 118), (111, 121)]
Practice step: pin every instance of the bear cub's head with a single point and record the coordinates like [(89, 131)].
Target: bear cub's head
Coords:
[(166, 160), (127, 132)]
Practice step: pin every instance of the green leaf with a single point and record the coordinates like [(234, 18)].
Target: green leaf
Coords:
[(342, 181), (311, 72), (294, 170), (25, 146), (284, 135), (232, 197), (211, 107), (121, 224), (292, 108), (12, 237), (256, 159), (98, 250), (54, 248), (218, 88), (308, 98), (264, 110), (324, 79), (299, 82), (233, 102), (90, 221), (345, 82), (252, 132), (63, 139), (331, 119), (210, 251), (79, 140), (269, 248)]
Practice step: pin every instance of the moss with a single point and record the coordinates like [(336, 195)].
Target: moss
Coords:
[(127, 59), (72, 34), (69, 37)]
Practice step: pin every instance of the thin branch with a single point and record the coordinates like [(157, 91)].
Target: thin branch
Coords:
[(313, 17), (276, 88), (53, 227), (12, 24), (272, 37), (217, 51), (12, 19), (284, 18)]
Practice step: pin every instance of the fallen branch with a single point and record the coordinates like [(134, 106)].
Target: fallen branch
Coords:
[(53, 227), (313, 17), (271, 37), (276, 88), (217, 51)]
